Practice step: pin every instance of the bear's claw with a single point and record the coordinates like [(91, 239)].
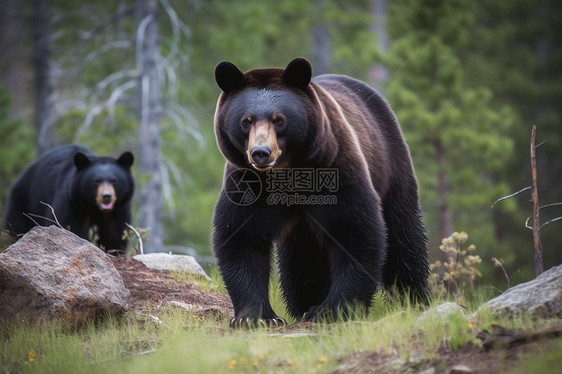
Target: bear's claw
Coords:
[(255, 323)]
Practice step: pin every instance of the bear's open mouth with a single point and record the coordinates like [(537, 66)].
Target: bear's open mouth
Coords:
[(105, 197), (106, 207)]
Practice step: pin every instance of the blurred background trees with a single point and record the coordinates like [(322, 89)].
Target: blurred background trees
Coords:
[(467, 80)]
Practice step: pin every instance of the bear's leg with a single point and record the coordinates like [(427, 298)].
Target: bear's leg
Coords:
[(304, 270), (355, 241), (111, 227), (111, 235), (406, 265), (242, 243)]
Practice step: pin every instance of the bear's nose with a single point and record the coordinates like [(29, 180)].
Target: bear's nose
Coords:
[(106, 197), (260, 154)]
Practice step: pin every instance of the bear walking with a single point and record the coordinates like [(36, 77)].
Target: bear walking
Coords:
[(83, 189), (332, 253)]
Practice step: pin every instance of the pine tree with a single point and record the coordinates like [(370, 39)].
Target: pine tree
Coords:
[(516, 50), (457, 139)]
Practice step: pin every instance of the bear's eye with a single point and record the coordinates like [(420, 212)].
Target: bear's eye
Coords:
[(278, 121), (97, 181), (113, 181), (246, 122)]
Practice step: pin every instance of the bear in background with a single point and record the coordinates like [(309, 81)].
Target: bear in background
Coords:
[(272, 123), (83, 189)]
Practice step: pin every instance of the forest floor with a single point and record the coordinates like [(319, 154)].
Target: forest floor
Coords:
[(501, 351), (153, 289)]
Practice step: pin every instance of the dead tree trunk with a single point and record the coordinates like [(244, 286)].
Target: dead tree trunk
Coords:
[(42, 59), (535, 196), (151, 203)]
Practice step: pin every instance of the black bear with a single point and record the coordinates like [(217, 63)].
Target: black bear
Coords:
[(83, 189), (333, 251)]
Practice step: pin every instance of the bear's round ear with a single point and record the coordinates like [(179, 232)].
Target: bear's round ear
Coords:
[(298, 73), (81, 161), (228, 76), (126, 159)]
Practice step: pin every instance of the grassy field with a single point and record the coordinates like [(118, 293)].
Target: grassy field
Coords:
[(177, 341)]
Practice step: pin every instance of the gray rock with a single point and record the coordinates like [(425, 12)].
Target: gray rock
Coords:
[(442, 312), (50, 273), (541, 296), (164, 261)]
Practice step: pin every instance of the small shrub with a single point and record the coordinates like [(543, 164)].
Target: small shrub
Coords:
[(449, 277)]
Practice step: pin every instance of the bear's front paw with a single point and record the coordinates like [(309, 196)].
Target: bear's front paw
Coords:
[(320, 313), (241, 322), (310, 316)]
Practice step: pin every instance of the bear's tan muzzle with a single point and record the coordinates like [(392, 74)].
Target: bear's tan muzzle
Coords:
[(263, 149), (105, 197)]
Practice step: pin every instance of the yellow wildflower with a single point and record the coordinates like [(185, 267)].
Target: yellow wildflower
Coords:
[(31, 355)]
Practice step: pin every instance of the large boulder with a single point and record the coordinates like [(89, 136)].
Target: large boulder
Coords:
[(541, 296), (50, 273)]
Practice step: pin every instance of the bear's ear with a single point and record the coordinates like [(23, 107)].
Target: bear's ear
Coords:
[(81, 161), (228, 76), (126, 159), (298, 73)]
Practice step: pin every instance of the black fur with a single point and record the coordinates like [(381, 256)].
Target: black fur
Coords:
[(330, 257), (66, 178)]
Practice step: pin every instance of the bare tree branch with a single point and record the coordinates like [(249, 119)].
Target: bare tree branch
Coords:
[(497, 263), (527, 223), (550, 205), (32, 220), (99, 108), (512, 195), (550, 221), (55, 220), (117, 44), (138, 237), (53, 212)]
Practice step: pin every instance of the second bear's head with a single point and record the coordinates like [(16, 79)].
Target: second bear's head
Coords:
[(103, 181), (263, 116)]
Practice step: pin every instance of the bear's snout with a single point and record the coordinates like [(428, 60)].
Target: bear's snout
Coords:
[(263, 149), (260, 155), (105, 197)]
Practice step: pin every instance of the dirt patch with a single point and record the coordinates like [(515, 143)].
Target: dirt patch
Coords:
[(501, 352), (153, 289)]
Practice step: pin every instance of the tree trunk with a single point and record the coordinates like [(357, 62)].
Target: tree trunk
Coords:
[(321, 46), (42, 57), (378, 73), (535, 198), (151, 204), (14, 45), (446, 216)]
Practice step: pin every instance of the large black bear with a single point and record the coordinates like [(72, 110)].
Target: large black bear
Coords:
[(83, 189), (333, 251)]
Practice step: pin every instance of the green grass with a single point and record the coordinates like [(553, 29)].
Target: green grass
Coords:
[(177, 341)]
